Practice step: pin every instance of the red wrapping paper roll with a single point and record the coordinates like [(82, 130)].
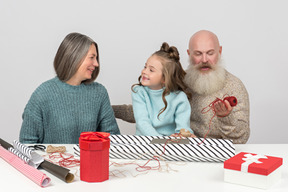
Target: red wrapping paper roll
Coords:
[(94, 156), (32, 173)]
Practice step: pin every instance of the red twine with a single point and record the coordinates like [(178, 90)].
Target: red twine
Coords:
[(145, 167), (232, 101), (64, 160)]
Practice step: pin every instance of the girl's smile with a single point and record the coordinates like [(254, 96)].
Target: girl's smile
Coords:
[(152, 75)]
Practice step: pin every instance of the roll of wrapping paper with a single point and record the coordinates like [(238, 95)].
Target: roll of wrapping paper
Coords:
[(56, 170), (32, 173)]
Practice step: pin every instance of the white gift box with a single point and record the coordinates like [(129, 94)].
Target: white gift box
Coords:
[(253, 170), (167, 148)]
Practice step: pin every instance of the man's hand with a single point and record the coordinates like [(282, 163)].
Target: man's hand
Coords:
[(222, 109)]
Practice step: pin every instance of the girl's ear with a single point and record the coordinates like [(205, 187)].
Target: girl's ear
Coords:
[(163, 81), (163, 78)]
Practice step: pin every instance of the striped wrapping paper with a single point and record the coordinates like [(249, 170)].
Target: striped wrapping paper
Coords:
[(139, 147), (26, 154), (32, 173)]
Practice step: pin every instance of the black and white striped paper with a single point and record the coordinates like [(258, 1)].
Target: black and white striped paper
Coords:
[(26, 154), (140, 147)]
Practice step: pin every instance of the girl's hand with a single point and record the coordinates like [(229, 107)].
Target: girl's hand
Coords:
[(193, 136), (175, 135), (183, 133), (178, 135)]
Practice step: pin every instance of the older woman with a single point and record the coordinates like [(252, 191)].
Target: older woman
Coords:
[(63, 107)]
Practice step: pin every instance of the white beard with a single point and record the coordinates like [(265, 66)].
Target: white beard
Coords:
[(205, 83)]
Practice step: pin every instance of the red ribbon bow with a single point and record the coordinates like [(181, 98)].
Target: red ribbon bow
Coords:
[(94, 136)]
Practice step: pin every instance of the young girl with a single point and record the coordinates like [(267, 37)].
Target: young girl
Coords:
[(160, 102)]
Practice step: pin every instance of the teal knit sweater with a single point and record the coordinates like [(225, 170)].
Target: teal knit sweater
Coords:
[(58, 112)]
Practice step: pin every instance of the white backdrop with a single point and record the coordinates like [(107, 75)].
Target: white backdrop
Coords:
[(254, 36)]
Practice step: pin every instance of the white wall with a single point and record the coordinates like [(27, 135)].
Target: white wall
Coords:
[(254, 35)]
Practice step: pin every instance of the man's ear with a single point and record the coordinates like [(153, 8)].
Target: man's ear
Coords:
[(188, 52), (220, 50)]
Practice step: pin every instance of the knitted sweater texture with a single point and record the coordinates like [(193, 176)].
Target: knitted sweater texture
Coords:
[(235, 126), (58, 112), (148, 103)]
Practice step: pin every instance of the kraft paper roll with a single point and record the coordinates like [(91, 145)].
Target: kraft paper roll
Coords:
[(58, 171)]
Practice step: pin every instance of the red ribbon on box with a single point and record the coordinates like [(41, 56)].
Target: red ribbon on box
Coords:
[(96, 136)]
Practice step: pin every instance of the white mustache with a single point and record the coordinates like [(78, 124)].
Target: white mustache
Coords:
[(201, 65)]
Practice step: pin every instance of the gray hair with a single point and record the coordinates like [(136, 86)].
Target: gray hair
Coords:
[(71, 53)]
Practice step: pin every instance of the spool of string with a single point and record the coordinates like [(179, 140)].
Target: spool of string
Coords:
[(232, 101)]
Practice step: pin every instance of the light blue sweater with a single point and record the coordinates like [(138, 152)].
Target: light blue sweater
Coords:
[(58, 112), (146, 106)]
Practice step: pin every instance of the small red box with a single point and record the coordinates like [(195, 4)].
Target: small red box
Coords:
[(94, 156), (254, 170)]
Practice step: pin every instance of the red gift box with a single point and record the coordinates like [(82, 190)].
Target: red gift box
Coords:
[(94, 156), (253, 170)]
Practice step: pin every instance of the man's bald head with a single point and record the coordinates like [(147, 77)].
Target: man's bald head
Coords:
[(204, 36), (204, 48), (205, 74)]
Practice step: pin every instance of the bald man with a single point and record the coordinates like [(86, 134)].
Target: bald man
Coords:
[(207, 80)]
